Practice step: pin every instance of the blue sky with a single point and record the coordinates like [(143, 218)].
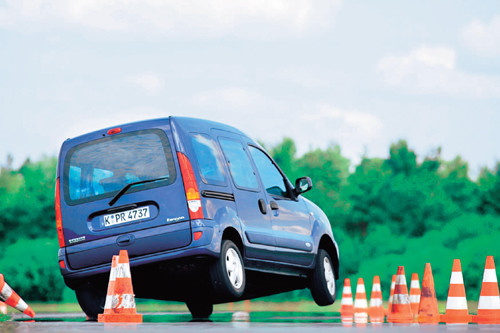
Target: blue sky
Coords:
[(362, 74)]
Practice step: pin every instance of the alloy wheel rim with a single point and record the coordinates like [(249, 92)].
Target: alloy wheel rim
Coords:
[(329, 276), (234, 268)]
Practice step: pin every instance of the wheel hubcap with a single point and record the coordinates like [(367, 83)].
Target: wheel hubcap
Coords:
[(234, 268), (329, 276)]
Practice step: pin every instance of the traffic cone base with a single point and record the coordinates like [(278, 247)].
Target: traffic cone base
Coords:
[(455, 317), (120, 318)]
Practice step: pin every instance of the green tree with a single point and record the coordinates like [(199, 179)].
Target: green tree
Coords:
[(27, 196), (489, 185), (458, 186)]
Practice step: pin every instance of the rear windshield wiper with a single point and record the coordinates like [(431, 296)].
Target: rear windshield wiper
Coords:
[(129, 185)]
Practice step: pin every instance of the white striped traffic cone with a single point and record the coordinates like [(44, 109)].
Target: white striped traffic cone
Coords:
[(376, 311), (346, 305), (120, 302), (488, 310), (456, 305), (360, 304), (414, 294), (400, 309), (10, 297)]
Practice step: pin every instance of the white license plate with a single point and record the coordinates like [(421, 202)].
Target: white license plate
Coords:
[(126, 216)]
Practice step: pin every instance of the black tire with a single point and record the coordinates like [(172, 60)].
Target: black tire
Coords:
[(200, 309), (91, 298), (322, 280), (229, 281)]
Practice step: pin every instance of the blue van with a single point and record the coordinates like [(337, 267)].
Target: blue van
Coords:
[(205, 213)]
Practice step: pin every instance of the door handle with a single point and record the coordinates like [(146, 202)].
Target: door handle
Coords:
[(262, 206), (274, 205), (125, 240)]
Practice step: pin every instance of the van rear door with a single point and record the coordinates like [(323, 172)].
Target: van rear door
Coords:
[(122, 191)]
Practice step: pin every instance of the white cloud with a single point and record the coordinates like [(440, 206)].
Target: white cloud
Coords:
[(484, 38), (194, 18), (365, 125), (150, 83), (312, 125), (432, 70), (236, 98)]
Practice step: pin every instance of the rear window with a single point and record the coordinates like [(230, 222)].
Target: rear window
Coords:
[(99, 169)]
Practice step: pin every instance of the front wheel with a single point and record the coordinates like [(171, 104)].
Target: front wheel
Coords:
[(228, 272), (323, 280)]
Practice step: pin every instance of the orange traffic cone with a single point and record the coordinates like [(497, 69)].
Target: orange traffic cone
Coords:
[(360, 304), (456, 305), (120, 301), (400, 310), (428, 312), (3, 308), (391, 296), (10, 297), (414, 294), (488, 310), (376, 311), (346, 307)]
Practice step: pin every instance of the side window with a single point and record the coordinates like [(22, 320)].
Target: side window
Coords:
[(207, 156), (239, 164), (271, 177)]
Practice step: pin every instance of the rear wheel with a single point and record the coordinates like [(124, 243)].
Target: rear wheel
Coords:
[(91, 298), (228, 272), (322, 283), (200, 309)]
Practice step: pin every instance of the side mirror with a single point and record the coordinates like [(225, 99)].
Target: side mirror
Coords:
[(302, 185)]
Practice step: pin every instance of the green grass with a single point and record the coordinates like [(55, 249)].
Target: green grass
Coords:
[(4, 317), (144, 306)]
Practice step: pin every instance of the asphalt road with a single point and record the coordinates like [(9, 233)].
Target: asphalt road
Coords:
[(46, 326), (179, 322)]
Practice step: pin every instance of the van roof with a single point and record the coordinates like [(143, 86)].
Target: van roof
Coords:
[(196, 124), (187, 123)]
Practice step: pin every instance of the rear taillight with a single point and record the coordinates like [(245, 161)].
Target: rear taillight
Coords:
[(114, 131), (60, 234), (191, 187)]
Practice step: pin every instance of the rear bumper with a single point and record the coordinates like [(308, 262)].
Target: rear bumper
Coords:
[(206, 247)]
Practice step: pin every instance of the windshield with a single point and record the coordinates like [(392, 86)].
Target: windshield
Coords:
[(100, 168)]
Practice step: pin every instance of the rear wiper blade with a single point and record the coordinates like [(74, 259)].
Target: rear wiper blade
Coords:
[(129, 185)]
